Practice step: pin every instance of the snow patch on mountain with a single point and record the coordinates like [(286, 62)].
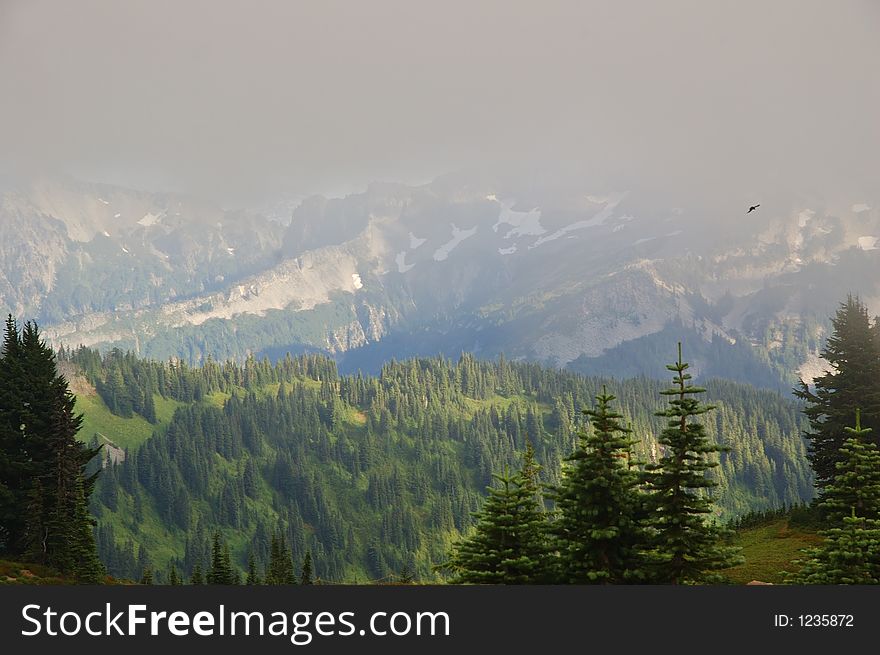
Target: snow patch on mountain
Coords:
[(402, 266), (299, 284), (868, 243), (149, 219), (414, 241), (523, 223), (507, 251), (458, 235), (860, 207), (599, 218)]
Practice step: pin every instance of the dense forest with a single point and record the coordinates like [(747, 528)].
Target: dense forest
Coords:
[(616, 521), (372, 475), (249, 472)]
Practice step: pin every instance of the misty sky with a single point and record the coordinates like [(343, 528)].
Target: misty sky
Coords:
[(235, 100)]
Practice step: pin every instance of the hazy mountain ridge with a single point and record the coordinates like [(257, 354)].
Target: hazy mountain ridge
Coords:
[(555, 275)]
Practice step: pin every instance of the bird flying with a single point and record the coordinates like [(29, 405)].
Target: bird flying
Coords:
[(753, 208)]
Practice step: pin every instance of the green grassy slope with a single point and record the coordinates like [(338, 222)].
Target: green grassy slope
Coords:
[(374, 473), (124, 432), (769, 550)]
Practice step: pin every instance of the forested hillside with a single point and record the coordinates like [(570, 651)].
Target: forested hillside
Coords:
[(373, 475)]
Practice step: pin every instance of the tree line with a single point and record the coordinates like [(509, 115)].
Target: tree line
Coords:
[(369, 477), (614, 520), (44, 487), (376, 475), (843, 407)]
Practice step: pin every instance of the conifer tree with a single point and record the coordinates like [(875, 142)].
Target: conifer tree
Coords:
[(173, 577), (280, 570), (406, 575), (147, 577), (853, 381), (687, 549), (44, 464), (850, 552), (198, 576), (253, 578), (509, 544), (599, 531), (856, 485), (305, 576), (221, 571), (15, 470)]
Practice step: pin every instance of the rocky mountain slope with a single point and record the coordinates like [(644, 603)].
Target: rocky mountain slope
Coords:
[(563, 276)]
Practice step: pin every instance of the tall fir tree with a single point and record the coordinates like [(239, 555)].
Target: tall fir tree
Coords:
[(599, 530), (306, 576), (856, 485), (221, 571), (852, 381), (48, 464), (406, 575), (509, 544), (16, 490), (253, 577), (686, 548), (850, 552), (198, 575), (280, 569)]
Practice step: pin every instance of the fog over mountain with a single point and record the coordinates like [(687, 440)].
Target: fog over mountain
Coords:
[(722, 103), (596, 279), (318, 273), (381, 179)]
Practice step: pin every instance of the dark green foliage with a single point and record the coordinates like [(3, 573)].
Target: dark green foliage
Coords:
[(15, 491), (44, 488), (173, 577), (850, 553), (147, 577), (198, 576), (370, 473), (686, 547), (509, 544), (853, 354), (221, 571), (253, 577), (280, 570), (306, 575), (406, 575), (599, 531), (800, 515), (856, 485)]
